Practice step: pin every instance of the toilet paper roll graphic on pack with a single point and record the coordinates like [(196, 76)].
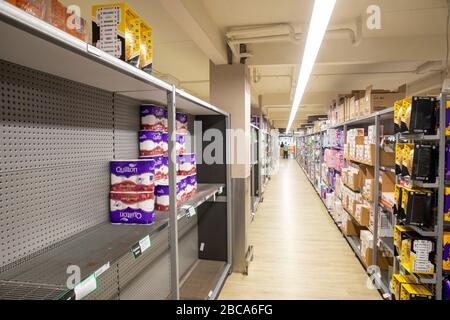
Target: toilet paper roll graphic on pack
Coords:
[(186, 164), (162, 195), (152, 143), (133, 175), (180, 143), (158, 162), (191, 186), (182, 122), (132, 207), (153, 118)]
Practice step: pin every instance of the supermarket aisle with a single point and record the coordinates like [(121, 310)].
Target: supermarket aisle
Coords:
[(298, 251)]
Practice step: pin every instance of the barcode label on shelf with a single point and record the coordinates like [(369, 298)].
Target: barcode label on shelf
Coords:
[(145, 243), (86, 287), (192, 212), (139, 248), (102, 269)]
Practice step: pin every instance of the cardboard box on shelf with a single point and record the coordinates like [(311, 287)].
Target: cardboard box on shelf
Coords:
[(387, 159), (33, 7), (347, 108), (382, 261), (340, 113), (354, 179), (368, 189), (377, 100), (362, 214), (387, 182), (349, 227)]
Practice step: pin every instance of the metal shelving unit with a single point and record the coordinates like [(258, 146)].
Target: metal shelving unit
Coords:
[(437, 232), (61, 88), (374, 119)]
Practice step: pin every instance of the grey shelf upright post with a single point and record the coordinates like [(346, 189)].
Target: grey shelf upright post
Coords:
[(173, 216), (377, 190), (441, 195)]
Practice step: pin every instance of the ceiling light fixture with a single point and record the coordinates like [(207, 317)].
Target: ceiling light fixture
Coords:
[(320, 18)]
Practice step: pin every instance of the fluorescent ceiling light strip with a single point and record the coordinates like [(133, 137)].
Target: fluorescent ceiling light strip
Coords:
[(320, 18)]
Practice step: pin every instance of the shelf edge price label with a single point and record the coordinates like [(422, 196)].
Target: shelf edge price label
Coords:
[(85, 287), (192, 212), (102, 269), (139, 248)]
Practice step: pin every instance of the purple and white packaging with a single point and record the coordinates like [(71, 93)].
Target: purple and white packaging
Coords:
[(180, 144), (186, 164), (164, 168), (152, 143), (182, 122), (153, 118), (132, 207), (162, 195), (191, 186), (132, 175), (447, 162), (158, 161)]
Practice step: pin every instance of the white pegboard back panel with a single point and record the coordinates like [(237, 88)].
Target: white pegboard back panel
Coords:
[(126, 127), (48, 121), (57, 138)]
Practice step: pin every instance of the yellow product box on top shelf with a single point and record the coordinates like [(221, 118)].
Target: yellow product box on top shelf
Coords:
[(116, 29), (411, 291), (398, 280), (146, 47), (398, 108)]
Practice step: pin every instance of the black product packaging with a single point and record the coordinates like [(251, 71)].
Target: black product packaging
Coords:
[(424, 163), (421, 209), (422, 115), (399, 212)]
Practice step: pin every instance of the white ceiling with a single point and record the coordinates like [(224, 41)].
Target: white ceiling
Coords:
[(189, 33)]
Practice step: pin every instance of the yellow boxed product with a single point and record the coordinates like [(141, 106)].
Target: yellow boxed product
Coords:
[(405, 251), (446, 252), (447, 129), (407, 159), (398, 280), (146, 48), (398, 157), (116, 29), (399, 233), (410, 291), (417, 256), (447, 206), (398, 106)]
